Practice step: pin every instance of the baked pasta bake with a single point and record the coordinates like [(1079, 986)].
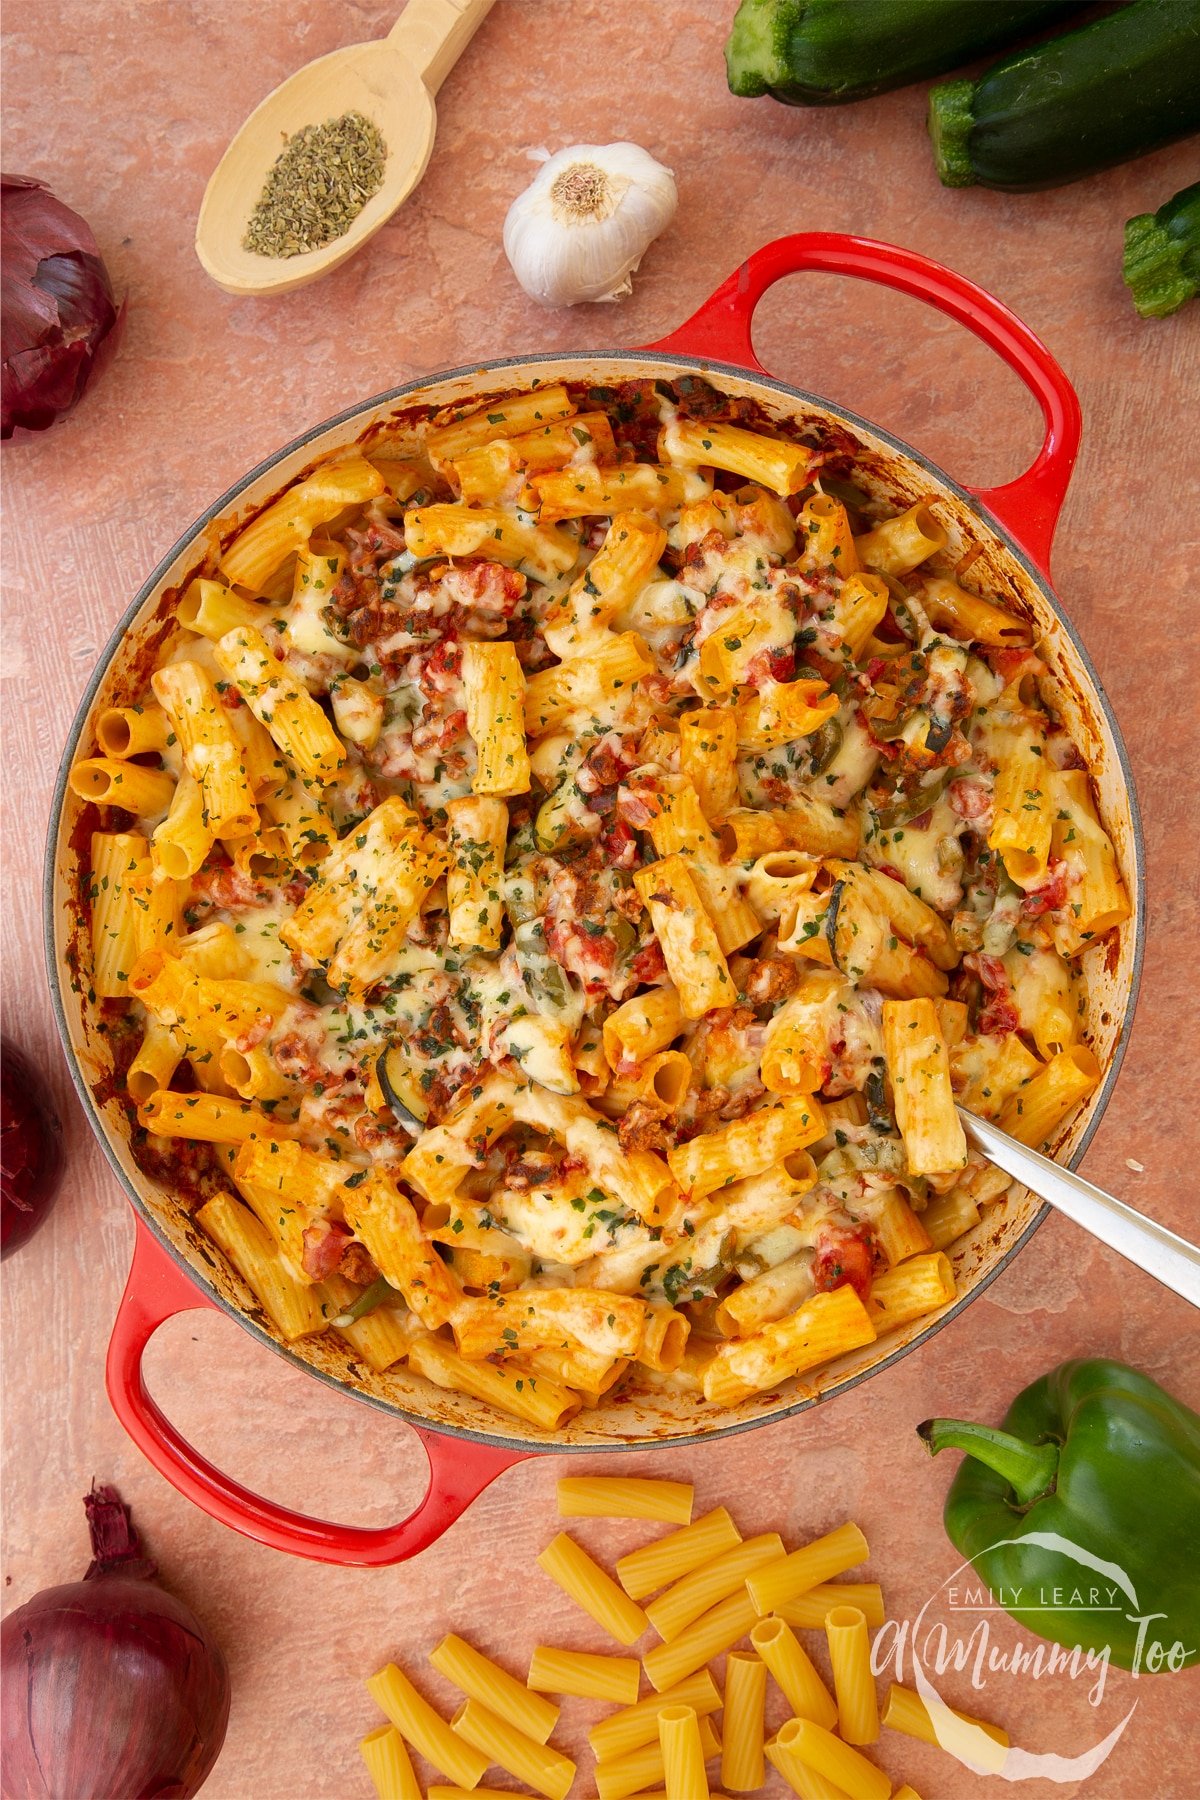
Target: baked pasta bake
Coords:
[(568, 861)]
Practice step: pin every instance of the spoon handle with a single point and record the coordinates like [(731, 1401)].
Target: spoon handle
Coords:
[(1142, 1241), (431, 35)]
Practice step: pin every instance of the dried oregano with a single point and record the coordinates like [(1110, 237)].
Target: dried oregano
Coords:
[(317, 186)]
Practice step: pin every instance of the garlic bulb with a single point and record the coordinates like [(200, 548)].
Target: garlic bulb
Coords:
[(583, 225)]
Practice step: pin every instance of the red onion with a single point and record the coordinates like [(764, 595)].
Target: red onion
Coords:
[(30, 1151), (112, 1689), (59, 319)]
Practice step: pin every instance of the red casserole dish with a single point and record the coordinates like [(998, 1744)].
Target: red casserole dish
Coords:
[(1011, 528)]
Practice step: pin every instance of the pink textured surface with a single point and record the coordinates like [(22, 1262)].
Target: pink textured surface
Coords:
[(125, 112)]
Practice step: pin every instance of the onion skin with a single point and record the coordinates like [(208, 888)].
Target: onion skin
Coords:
[(112, 1689), (59, 318), (30, 1151)]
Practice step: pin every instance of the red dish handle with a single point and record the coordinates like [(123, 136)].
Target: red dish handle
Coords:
[(458, 1469), (1028, 507)]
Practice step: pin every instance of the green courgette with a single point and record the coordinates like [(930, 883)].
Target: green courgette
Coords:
[(820, 52), (544, 980), (1111, 90), (560, 823), (401, 1088), (1162, 255)]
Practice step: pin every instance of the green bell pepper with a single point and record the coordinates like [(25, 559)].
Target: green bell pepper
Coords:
[(1094, 1458)]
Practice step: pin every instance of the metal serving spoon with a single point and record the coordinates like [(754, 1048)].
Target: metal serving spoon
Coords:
[(392, 82), (1142, 1241)]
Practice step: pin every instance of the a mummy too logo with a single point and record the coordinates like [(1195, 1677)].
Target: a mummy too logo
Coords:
[(965, 1630)]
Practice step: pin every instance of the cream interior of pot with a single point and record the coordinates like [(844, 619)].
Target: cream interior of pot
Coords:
[(1110, 969)]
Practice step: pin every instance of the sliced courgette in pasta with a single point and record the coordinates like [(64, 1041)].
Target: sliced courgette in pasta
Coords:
[(401, 1089), (559, 823), (543, 978)]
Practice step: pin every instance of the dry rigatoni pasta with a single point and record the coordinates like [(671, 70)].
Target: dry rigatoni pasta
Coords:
[(811, 1608), (713, 1632), (614, 1678), (712, 1581), (945, 1725), (742, 1725), (853, 1682), (844, 1766), (640, 1770), (802, 1569), (793, 1671), (800, 1777), (547, 1770), (440, 1790), (425, 1729), (684, 1776), (670, 1558), (388, 1764), (624, 1497), (637, 1724), (481, 1679), (584, 1581)]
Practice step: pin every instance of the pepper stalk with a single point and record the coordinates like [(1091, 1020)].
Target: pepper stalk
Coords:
[(1031, 1470)]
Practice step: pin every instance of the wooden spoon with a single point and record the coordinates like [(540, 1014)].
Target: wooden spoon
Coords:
[(391, 81)]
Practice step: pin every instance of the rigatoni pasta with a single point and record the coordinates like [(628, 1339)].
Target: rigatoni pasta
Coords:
[(481, 1679), (636, 1771), (621, 844), (742, 1726), (389, 1765), (499, 1739), (572, 1569), (713, 1632), (613, 1678), (684, 1776), (668, 1559), (802, 1569), (289, 1303), (793, 1671), (637, 1724), (811, 1608), (696, 1593), (624, 1497), (846, 1767), (425, 1729), (660, 1747), (853, 1682), (906, 1711)]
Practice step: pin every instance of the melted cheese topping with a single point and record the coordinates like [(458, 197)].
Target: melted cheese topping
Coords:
[(907, 763)]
